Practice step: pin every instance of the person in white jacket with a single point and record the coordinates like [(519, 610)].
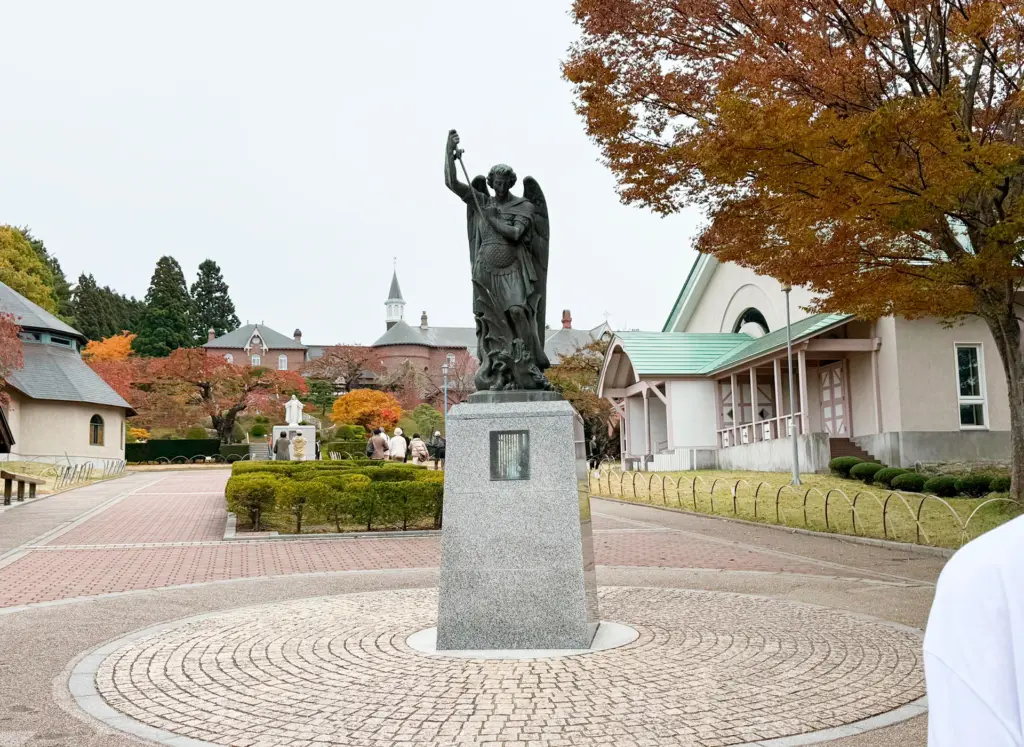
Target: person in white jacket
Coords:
[(397, 446), (974, 645)]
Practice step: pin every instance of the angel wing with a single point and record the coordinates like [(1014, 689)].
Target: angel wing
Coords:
[(479, 183), (539, 246)]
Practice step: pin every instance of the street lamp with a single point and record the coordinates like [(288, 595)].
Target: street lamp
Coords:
[(449, 364), (792, 397)]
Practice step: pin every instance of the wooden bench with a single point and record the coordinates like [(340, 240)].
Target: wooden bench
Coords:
[(10, 478)]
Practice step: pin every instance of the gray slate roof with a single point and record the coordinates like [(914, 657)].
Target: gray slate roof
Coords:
[(557, 343), (60, 374), (31, 316), (395, 293), (240, 337)]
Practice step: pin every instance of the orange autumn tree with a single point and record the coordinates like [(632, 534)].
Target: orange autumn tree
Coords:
[(872, 151), (368, 408), (113, 348), (190, 385)]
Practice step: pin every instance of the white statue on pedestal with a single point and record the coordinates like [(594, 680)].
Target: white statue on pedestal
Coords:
[(293, 411)]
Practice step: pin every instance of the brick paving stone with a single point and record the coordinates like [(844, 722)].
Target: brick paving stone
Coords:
[(709, 669)]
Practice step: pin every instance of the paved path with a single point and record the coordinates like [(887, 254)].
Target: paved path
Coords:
[(107, 544)]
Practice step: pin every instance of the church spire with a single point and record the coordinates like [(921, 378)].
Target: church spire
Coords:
[(395, 304)]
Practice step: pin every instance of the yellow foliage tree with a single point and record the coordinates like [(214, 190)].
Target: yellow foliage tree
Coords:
[(368, 408), (23, 270), (113, 348)]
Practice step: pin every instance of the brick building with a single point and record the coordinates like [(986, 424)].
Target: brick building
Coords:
[(259, 345)]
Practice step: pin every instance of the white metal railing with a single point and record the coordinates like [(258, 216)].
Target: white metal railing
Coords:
[(767, 429)]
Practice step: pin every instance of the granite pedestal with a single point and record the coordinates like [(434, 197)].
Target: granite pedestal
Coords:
[(517, 558)]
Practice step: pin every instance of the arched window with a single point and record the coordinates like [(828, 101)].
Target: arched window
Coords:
[(751, 322), (96, 431), (282, 363), (255, 360), (229, 358)]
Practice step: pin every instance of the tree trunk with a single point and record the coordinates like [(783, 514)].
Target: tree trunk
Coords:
[(1006, 329)]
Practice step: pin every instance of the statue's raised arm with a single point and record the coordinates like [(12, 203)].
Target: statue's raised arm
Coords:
[(451, 176)]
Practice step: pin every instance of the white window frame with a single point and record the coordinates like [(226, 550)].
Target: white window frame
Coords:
[(255, 360), (982, 388), (282, 362)]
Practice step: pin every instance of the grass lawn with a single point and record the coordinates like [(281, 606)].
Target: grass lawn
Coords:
[(47, 472), (853, 507)]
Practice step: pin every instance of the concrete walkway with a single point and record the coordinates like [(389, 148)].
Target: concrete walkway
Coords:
[(99, 562)]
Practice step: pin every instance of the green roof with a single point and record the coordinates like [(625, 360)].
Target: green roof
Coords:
[(677, 353), (802, 329), (703, 354)]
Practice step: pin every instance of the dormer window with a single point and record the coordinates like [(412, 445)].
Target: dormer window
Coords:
[(30, 336), (60, 341)]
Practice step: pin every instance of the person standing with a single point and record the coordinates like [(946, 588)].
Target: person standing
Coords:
[(282, 447), (299, 447), (437, 443), (418, 451), (397, 447), (974, 644), (379, 442)]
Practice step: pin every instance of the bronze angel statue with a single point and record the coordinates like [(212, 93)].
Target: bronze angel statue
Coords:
[(508, 252)]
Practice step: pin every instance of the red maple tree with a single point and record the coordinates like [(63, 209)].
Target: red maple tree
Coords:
[(10, 350)]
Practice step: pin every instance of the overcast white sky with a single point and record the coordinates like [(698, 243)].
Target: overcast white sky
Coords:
[(300, 145)]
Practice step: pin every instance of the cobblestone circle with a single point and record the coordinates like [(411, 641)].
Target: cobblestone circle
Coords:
[(709, 669)]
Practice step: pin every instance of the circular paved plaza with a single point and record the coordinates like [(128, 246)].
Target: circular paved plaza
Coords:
[(709, 669)]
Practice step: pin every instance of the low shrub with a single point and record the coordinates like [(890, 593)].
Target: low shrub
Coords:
[(885, 476), (974, 486), (197, 433), (843, 465), (252, 495), (909, 482), (258, 431), (1000, 485), (234, 451), (943, 486), (866, 471)]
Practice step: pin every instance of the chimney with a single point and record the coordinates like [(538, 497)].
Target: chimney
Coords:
[(210, 334), (297, 334), (423, 320), (566, 319)]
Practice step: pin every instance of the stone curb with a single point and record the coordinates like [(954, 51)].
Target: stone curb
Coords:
[(941, 552)]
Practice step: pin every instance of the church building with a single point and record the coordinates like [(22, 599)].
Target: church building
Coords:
[(426, 347), (711, 389)]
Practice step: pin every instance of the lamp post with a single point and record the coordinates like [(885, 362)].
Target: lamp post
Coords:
[(792, 397), (449, 363)]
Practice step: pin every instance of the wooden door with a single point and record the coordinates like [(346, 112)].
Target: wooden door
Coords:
[(835, 400)]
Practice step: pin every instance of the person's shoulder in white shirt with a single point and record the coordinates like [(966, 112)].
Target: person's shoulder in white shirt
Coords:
[(974, 645)]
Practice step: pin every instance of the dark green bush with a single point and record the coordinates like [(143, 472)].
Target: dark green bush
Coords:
[(909, 482), (843, 465), (258, 431), (943, 486), (154, 450), (394, 473), (1000, 485), (974, 486), (885, 476), (866, 471), (196, 433), (350, 433), (252, 495), (347, 448), (234, 450)]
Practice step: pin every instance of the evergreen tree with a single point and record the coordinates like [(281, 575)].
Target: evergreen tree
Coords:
[(211, 304), (103, 312), (61, 286), (166, 324)]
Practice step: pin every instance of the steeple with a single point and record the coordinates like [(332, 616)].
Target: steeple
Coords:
[(395, 304)]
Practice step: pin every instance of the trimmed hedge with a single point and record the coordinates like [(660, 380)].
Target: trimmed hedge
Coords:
[(866, 471), (843, 465), (909, 482), (943, 486), (393, 496), (974, 486), (353, 447), (1000, 485), (152, 450), (234, 450), (886, 476)]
